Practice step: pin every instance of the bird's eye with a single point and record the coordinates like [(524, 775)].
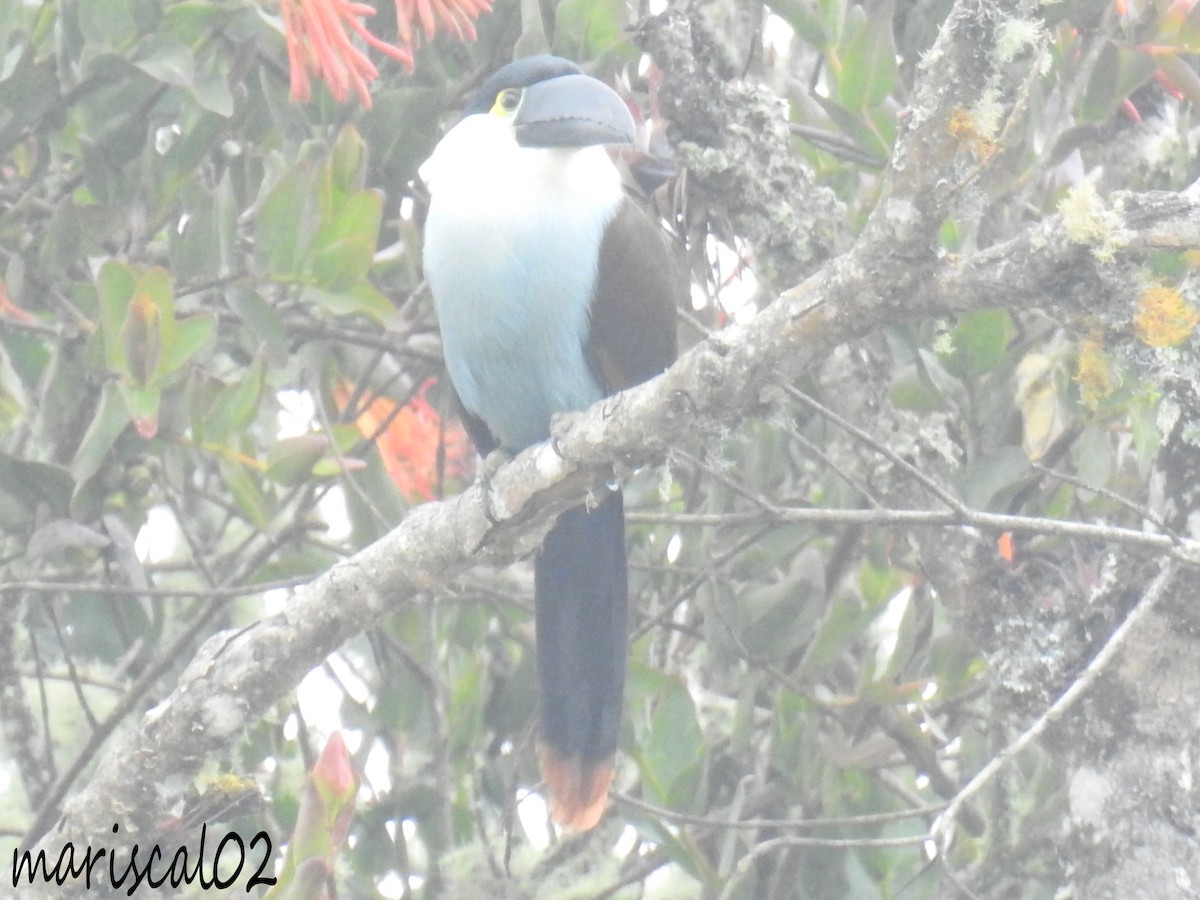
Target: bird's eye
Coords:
[(507, 102)]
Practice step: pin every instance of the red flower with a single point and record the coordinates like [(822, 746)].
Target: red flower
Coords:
[(318, 41), (456, 17), (410, 441)]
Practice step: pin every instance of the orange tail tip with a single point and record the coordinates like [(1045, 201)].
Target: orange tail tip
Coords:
[(578, 788)]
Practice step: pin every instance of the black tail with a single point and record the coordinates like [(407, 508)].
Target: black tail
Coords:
[(581, 592)]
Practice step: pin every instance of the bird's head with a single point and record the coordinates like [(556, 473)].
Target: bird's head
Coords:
[(549, 102), (539, 103)]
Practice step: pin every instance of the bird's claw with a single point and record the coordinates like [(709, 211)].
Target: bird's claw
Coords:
[(491, 464)]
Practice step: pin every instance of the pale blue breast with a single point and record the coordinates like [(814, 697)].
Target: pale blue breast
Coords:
[(511, 274)]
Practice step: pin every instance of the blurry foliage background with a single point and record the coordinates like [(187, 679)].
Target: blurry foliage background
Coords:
[(218, 372)]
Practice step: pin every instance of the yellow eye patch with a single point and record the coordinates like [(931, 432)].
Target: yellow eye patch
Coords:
[(507, 102)]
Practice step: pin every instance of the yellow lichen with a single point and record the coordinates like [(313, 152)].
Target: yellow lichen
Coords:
[(964, 128), (1164, 318), (1088, 221), (1093, 373)]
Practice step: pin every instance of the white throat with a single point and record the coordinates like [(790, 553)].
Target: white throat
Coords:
[(511, 251)]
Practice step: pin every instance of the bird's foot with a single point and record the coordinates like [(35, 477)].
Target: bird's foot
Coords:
[(560, 425), (490, 465)]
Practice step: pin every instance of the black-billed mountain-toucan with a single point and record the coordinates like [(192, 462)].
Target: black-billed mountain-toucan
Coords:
[(553, 289)]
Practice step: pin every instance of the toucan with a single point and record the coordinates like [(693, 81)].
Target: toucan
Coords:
[(554, 287)]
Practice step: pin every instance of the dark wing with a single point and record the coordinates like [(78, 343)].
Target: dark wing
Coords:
[(481, 435), (639, 284)]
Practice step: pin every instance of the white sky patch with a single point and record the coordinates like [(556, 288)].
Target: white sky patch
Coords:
[(532, 813), (357, 689), (821, 88), (885, 630), (165, 137), (626, 842), (157, 539), (353, 738), (320, 700), (392, 885), (377, 769), (332, 509), (275, 600), (296, 413), (777, 35), (674, 548), (668, 882)]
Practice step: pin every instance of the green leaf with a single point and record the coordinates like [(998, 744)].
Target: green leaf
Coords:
[(282, 226), (27, 486), (1182, 76), (1143, 426), (584, 29), (360, 298), (775, 619), (27, 92), (343, 249), (199, 138), (807, 24), (141, 339), (401, 131), (110, 24), (291, 460), (114, 287), (155, 283), (1119, 71), (986, 482), (332, 466), (189, 21), (259, 318), (978, 343), (322, 823), (191, 336), (210, 87), (856, 126), (246, 489), (143, 404), (1093, 454), (913, 390), (165, 60), (347, 166), (868, 57), (237, 404), (841, 626), (110, 419), (674, 749)]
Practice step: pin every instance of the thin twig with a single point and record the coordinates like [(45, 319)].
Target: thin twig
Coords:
[(883, 818), (117, 590)]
